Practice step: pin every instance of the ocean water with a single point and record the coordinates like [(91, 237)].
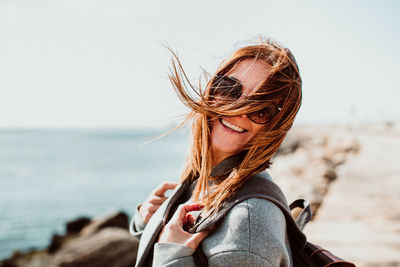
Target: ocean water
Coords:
[(48, 177)]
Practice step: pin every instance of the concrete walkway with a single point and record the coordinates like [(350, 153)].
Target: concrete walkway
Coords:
[(359, 219)]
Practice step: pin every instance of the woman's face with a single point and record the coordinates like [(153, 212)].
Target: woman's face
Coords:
[(230, 134)]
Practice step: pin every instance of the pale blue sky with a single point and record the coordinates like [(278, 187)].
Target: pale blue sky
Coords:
[(96, 63)]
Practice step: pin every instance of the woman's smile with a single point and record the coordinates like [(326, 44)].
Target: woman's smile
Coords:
[(232, 127)]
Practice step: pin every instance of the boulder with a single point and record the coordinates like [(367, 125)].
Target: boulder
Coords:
[(75, 226), (32, 258), (119, 219), (56, 242), (110, 247)]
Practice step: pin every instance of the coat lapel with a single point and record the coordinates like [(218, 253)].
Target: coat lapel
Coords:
[(157, 221), (155, 225)]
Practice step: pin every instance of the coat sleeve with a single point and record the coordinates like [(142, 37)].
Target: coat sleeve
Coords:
[(137, 225), (252, 234), (171, 254)]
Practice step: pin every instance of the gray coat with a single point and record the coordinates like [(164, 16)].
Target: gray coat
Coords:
[(252, 234)]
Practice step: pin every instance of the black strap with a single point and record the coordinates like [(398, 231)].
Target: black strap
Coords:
[(304, 254), (258, 186)]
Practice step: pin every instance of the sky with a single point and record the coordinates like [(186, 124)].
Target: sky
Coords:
[(96, 63)]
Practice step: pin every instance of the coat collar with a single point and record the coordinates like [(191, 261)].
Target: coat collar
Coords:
[(226, 166), (155, 225)]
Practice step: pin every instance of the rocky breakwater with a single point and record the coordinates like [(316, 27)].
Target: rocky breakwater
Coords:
[(310, 159), (102, 241)]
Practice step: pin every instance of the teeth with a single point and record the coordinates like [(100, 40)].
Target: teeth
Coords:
[(231, 126)]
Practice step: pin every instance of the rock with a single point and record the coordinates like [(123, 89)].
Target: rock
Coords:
[(7, 263), (330, 173), (102, 241), (119, 219), (85, 226), (289, 145), (59, 241), (75, 226), (56, 242), (72, 230), (110, 247), (33, 258)]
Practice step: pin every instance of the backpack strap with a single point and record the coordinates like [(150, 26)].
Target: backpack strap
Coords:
[(259, 186), (304, 254)]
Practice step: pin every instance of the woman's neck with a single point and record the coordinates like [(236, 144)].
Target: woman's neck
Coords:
[(219, 157)]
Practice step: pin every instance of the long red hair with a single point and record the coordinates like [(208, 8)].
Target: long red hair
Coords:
[(282, 85)]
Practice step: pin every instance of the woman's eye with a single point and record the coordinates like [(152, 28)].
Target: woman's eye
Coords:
[(266, 112)]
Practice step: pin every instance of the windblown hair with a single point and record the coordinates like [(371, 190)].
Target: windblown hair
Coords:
[(282, 85)]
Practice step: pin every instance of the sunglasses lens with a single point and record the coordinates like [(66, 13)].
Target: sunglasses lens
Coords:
[(226, 88), (264, 115)]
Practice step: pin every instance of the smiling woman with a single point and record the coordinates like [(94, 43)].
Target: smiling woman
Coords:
[(230, 134), (239, 121)]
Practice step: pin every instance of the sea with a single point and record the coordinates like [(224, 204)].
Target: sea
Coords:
[(51, 176)]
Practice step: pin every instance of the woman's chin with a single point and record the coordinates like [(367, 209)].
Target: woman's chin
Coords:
[(226, 142), (225, 145)]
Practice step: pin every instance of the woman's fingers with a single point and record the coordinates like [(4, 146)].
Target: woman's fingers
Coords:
[(153, 208), (175, 231), (180, 214), (190, 219), (154, 201), (196, 239), (160, 191), (184, 209), (157, 200), (188, 222)]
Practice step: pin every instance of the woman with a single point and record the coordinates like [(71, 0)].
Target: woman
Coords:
[(239, 121)]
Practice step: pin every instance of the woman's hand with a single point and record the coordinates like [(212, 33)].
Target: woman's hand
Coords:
[(154, 201), (173, 231)]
